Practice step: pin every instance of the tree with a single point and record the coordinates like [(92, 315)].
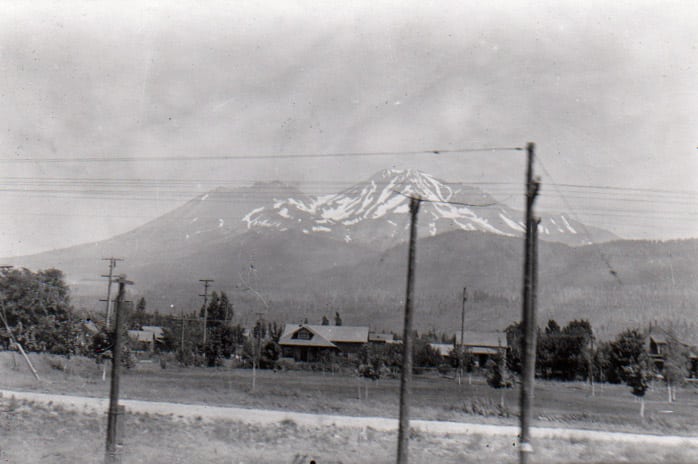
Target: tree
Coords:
[(337, 319), (636, 377), (213, 311), (271, 352), (553, 328), (325, 321), (461, 358), (425, 355), (514, 344), (497, 375), (625, 353), (571, 360), (139, 318), (275, 330), (221, 338), (37, 308), (226, 311)]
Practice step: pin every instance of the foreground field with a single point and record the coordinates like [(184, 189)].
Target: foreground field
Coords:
[(163, 438), (37, 432)]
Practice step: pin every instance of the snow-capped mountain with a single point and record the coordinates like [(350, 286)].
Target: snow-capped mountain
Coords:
[(376, 212)]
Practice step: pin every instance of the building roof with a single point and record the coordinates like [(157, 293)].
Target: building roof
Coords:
[(90, 326), (157, 331), (444, 349), (380, 337), (323, 335), (141, 336), (483, 339)]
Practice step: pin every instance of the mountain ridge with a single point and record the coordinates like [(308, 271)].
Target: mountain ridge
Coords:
[(375, 210), (291, 272)]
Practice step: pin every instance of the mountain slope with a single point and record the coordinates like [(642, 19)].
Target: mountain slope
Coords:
[(376, 212), (652, 281)]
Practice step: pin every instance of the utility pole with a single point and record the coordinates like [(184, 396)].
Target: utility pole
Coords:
[(181, 335), (112, 418), (256, 333), (14, 340), (591, 365), (205, 295), (406, 375), (528, 309), (461, 350), (112, 265)]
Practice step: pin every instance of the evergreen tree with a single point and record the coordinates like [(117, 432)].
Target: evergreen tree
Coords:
[(214, 316), (514, 346), (226, 309), (139, 317)]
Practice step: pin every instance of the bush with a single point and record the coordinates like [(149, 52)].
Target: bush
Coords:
[(285, 364), (485, 407)]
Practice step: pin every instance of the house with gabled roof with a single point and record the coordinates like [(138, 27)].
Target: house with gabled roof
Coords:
[(656, 344), (482, 346), (142, 340), (305, 342)]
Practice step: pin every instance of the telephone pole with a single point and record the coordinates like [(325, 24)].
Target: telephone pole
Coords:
[(205, 295), (462, 317), (112, 265), (529, 308), (113, 414), (461, 350), (256, 333), (406, 375)]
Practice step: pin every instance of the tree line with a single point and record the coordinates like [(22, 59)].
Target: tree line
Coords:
[(36, 312)]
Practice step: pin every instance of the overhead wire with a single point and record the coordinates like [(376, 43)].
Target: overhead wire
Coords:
[(121, 158), (604, 258)]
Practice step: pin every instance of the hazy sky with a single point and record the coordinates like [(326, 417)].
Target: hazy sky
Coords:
[(608, 93)]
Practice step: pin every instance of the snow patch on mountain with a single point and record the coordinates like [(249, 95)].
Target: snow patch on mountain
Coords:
[(377, 209), (513, 224), (567, 224)]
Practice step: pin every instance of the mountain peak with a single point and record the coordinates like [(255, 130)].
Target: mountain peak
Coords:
[(376, 211)]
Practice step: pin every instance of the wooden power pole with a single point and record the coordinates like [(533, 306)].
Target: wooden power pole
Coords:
[(206, 283), (528, 309), (113, 414), (407, 341), (110, 276)]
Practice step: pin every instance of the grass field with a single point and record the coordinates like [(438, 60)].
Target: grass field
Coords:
[(557, 404)]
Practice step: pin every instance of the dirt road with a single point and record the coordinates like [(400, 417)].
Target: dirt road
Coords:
[(263, 417)]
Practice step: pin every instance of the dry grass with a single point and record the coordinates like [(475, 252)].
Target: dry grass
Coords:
[(33, 433)]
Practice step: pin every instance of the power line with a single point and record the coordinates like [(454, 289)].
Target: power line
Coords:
[(427, 200), (121, 158), (611, 270)]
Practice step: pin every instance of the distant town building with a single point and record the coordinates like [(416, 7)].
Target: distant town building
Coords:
[(482, 346), (305, 342), (147, 338), (380, 338)]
